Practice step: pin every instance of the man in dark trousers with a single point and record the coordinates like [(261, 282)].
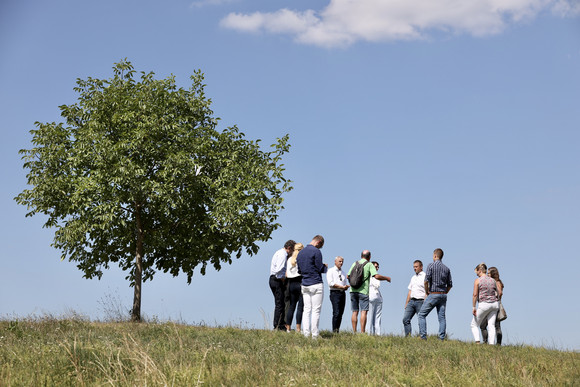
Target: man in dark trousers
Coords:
[(338, 285), (277, 282)]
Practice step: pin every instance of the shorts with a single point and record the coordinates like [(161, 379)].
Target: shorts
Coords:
[(359, 301)]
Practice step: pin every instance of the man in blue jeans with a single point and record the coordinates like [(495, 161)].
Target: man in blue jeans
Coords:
[(437, 284), (415, 296)]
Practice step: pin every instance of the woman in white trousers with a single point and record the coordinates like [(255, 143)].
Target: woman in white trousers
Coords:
[(486, 295)]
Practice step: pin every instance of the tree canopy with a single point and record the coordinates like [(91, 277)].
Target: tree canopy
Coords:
[(139, 176)]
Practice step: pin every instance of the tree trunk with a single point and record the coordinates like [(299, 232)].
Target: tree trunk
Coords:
[(136, 311)]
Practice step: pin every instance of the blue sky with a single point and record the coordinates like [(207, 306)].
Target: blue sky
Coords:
[(414, 125)]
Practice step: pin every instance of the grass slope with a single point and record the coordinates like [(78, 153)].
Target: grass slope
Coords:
[(50, 351)]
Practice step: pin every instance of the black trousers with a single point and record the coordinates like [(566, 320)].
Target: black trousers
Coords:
[(498, 333), (296, 300), (338, 300), (278, 289)]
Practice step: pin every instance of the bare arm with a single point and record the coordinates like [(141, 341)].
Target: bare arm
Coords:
[(475, 295), (382, 278), (499, 290), (427, 288), (345, 287)]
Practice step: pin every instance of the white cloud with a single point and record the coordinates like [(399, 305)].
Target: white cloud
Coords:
[(282, 21), (343, 22), (567, 8)]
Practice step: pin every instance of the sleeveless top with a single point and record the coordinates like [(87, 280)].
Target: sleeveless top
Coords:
[(487, 289), (292, 271)]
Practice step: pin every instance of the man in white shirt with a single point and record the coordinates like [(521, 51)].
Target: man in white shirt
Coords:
[(277, 283), (338, 285), (415, 297)]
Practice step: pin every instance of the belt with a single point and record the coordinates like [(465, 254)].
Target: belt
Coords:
[(418, 299), (337, 290), (437, 293)]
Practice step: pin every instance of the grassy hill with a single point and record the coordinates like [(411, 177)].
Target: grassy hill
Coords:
[(51, 351)]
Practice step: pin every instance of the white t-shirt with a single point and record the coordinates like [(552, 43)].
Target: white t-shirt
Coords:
[(335, 276), (417, 286), (278, 265), (291, 271), (374, 292)]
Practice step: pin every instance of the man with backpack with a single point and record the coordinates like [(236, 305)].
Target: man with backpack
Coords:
[(359, 277)]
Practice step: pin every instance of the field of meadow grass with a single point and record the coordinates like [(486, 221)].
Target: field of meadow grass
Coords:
[(48, 351)]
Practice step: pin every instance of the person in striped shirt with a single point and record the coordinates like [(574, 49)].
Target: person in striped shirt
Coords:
[(437, 284)]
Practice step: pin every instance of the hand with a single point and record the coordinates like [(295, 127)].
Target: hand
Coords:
[(388, 279), (474, 312)]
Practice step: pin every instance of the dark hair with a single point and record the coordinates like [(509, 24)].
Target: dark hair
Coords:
[(289, 243), (438, 253), (494, 273), (375, 263), (419, 262), (366, 256)]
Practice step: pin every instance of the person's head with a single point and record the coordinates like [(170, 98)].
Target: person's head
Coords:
[(418, 266), (338, 261), (376, 265), (317, 241), (437, 254), (481, 269), (366, 255), (289, 246), (494, 273), (297, 248)]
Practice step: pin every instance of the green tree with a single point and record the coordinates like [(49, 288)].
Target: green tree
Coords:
[(139, 176)]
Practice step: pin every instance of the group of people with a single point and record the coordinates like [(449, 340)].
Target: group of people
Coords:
[(296, 283), (487, 293)]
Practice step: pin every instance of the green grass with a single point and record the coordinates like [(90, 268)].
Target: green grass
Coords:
[(51, 351)]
